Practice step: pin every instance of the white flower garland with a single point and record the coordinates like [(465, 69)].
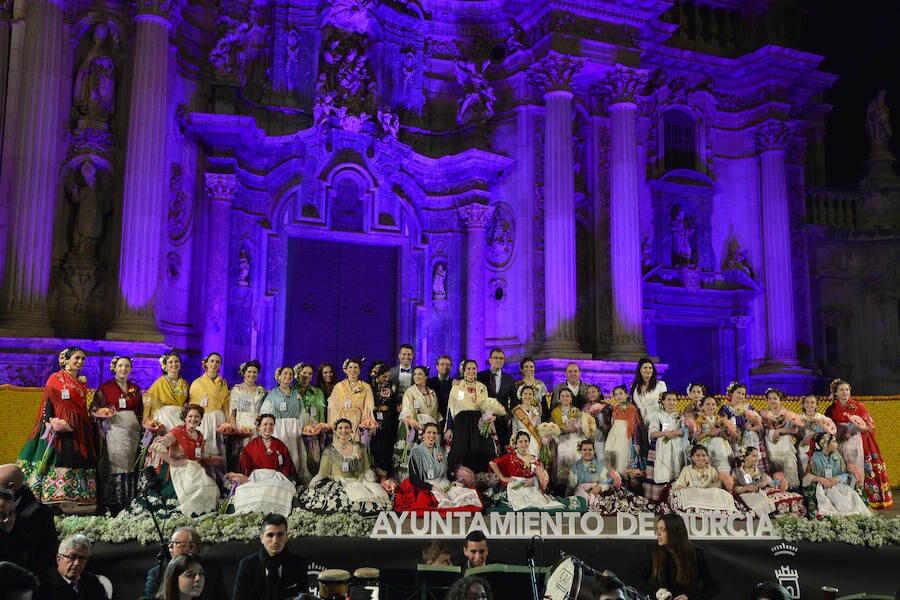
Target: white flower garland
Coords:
[(874, 530)]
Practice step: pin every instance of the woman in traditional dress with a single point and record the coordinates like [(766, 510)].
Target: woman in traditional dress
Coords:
[(760, 492), (523, 481), (428, 487), (668, 438), (119, 402), (419, 408), (813, 422), (597, 407), (167, 396), (601, 488), (568, 419), (60, 457), (827, 485), (246, 398), (326, 378), (314, 416), (698, 489), (526, 417), (780, 427), (282, 402), (179, 458), (472, 444), (353, 399), (677, 566), (265, 482), (387, 401), (859, 448), (526, 367), (345, 482), (747, 422), (712, 433), (622, 442), (646, 388), (210, 391)]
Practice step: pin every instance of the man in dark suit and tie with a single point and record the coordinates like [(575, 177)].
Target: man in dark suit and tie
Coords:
[(401, 374), (70, 581), (273, 572), (441, 384), (502, 387)]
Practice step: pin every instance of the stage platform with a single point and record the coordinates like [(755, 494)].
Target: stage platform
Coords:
[(738, 563)]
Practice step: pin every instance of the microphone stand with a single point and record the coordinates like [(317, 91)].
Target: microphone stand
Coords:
[(153, 482), (529, 554)]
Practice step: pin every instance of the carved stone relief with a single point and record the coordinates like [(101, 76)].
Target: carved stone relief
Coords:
[(500, 236)]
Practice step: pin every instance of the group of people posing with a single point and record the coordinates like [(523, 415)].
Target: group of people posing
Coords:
[(407, 440)]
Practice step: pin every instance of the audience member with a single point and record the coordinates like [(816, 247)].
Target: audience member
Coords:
[(34, 520), (18, 583), (273, 572), (470, 588), (186, 540), (769, 590), (70, 580), (184, 578), (437, 554), (475, 550), (677, 565), (609, 587)]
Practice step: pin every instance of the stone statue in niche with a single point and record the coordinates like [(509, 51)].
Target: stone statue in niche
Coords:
[(408, 59), (292, 48), (243, 267), (390, 124), (94, 93), (89, 198), (439, 282), (476, 105), (682, 238), (515, 38), (646, 253), (878, 123), (738, 261), (173, 265)]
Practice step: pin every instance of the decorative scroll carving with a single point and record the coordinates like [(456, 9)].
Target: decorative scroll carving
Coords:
[(500, 236), (771, 135), (476, 215), (179, 218), (221, 186), (91, 141), (553, 73)]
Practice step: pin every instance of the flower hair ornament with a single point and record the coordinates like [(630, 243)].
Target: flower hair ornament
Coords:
[(733, 386), (115, 359), (280, 370), (378, 369), (691, 385), (823, 439), (300, 366), (165, 357), (836, 383), (62, 355), (350, 359)]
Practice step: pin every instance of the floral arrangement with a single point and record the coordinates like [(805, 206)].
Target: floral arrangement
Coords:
[(484, 423), (859, 422), (730, 428), (212, 528), (588, 425), (389, 485), (827, 425), (873, 530), (752, 416), (663, 594)]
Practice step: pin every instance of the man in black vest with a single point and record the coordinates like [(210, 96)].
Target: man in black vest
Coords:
[(273, 572)]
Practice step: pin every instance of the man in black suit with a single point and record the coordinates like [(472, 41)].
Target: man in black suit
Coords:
[(273, 572), (441, 384), (401, 374), (502, 387), (70, 581), (34, 520)]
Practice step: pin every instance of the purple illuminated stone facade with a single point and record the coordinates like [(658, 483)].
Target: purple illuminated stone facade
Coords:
[(634, 177)]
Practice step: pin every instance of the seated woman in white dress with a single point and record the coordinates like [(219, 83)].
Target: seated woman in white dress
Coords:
[(345, 482), (265, 482), (522, 481), (813, 422), (527, 417), (601, 488), (179, 457), (569, 420), (698, 489), (827, 486), (428, 488), (283, 402), (760, 492)]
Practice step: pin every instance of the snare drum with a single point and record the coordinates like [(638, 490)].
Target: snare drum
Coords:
[(334, 583), (570, 579)]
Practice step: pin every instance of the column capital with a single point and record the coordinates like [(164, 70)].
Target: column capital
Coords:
[(554, 73), (741, 321), (221, 186), (623, 84), (771, 135), (162, 9), (476, 215)]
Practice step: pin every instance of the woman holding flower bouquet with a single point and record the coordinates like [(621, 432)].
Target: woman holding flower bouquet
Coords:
[(345, 482), (246, 399), (386, 407), (523, 481), (813, 422), (419, 408), (265, 483), (428, 488), (748, 427), (118, 401), (179, 459), (166, 396), (284, 404), (60, 457), (859, 448), (780, 428), (472, 443), (313, 416), (210, 391), (353, 400), (601, 488)]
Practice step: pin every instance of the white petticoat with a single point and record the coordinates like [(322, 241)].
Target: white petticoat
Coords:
[(267, 491)]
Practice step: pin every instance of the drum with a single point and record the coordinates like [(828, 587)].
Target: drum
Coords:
[(334, 583), (570, 579)]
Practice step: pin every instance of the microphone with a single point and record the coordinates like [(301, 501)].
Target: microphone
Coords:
[(529, 553)]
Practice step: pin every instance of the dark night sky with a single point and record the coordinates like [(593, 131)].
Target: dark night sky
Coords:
[(861, 43)]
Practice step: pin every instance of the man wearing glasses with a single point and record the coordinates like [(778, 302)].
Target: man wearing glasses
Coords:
[(70, 581), (186, 539)]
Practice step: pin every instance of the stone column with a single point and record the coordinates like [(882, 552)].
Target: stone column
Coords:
[(622, 85), (220, 188), (26, 280), (475, 218), (553, 76), (781, 342), (145, 175)]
